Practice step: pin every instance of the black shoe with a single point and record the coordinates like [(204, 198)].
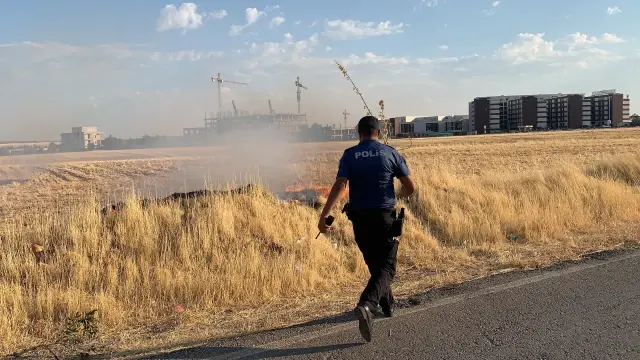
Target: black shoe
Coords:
[(383, 311), (377, 312), (386, 310), (365, 319)]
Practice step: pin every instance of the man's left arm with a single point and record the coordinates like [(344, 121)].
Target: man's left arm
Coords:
[(402, 172)]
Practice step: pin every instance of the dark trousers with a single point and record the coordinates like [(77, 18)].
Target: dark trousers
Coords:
[(371, 228)]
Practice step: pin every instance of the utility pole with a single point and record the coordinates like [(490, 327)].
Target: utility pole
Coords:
[(298, 92), (219, 80), (345, 113)]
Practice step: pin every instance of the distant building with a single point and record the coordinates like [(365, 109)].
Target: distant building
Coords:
[(340, 133), (607, 108), (495, 114), (403, 126), (81, 138)]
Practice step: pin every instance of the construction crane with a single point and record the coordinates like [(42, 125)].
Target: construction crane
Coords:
[(235, 109), (219, 80), (345, 113), (299, 86), (271, 109)]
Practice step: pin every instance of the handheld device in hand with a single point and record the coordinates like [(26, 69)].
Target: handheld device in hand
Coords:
[(396, 225), (328, 221)]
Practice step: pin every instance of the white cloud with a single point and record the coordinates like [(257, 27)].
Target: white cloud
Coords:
[(582, 64), (42, 52), (298, 22), (94, 102), (301, 54), (277, 21), (218, 14), (355, 29), (428, 3), (491, 11), (611, 39), (371, 58), (613, 10), (53, 52), (528, 48), (287, 52), (534, 48), (583, 41), (252, 15), (192, 55), (185, 17), (446, 60), (443, 47)]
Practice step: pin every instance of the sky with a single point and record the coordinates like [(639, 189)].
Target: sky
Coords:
[(136, 68)]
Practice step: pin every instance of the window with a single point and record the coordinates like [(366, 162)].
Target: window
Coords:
[(406, 128), (433, 127)]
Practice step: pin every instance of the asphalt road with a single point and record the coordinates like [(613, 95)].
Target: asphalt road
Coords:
[(585, 310)]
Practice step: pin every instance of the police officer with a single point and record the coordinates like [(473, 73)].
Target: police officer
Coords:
[(369, 169)]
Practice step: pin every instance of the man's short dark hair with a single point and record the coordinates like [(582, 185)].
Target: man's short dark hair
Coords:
[(367, 125)]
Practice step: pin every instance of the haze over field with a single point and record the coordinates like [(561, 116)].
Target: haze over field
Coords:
[(147, 70)]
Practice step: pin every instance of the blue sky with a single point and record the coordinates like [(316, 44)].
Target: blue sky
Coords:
[(144, 67)]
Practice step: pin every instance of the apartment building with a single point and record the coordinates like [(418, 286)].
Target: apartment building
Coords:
[(607, 108), (497, 114)]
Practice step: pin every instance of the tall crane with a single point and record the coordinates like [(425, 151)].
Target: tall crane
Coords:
[(271, 109), (298, 92), (345, 113), (235, 109), (219, 80)]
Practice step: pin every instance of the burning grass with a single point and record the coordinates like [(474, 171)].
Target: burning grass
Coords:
[(166, 273)]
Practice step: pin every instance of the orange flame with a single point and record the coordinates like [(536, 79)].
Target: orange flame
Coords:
[(319, 189)]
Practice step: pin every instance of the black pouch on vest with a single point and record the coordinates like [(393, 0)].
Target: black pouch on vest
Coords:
[(396, 225)]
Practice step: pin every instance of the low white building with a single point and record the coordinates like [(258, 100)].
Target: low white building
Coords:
[(81, 138), (429, 125)]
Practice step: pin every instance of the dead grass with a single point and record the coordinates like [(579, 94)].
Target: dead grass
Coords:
[(484, 203)]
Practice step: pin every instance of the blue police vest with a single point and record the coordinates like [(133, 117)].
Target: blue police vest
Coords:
[(370, 168)]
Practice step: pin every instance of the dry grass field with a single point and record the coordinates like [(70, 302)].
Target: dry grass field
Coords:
[(230, 264)]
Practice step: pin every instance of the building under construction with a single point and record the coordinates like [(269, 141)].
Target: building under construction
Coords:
[(343, 134), (242, 120)]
